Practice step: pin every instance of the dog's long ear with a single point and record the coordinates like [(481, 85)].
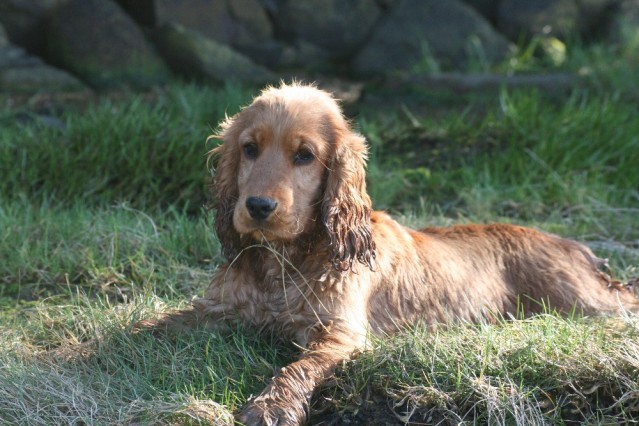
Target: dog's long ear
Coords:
[(346, 206), (224, 163)]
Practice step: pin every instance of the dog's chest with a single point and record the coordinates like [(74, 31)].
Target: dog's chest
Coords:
[(294, 299), (287, 298)]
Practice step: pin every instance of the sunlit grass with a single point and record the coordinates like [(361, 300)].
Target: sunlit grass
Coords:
[(543, 370), (109, 250)]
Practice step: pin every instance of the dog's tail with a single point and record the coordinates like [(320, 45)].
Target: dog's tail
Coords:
[(628, 293), (633, 283), (633, 286)]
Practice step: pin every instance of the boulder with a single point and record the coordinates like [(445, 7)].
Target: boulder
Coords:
[(238, 23), (465, 83), (557, 18), (417, 33), (142, 11), (21, 72), (595, 11), (253, 23), (625, 24), (98, 41), (338, 27), (195, 56), (487, 8), (38, 79), (241, 24), (4, 39), (23, 21), (302, 54), (289, 56)]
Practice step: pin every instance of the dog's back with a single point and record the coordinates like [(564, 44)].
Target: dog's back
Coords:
[(540, 271)]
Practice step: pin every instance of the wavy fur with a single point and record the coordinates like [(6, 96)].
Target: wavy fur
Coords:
[(325, 270)]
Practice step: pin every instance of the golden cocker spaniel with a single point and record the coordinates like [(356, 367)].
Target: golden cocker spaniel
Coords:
[(309, 259)]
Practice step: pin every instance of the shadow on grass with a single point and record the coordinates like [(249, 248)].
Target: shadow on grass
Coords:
[(125, 378)]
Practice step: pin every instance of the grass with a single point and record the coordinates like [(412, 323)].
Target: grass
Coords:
[(517, 372), (527, 159), (107, 250), (102, 223), (140, 151), (50, 377)]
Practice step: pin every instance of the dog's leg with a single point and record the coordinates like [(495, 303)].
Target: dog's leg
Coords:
[(171, 322), (285, 401), (204, 314), (211, 313)]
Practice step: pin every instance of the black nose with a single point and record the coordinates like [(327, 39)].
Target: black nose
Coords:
[(260, 208)]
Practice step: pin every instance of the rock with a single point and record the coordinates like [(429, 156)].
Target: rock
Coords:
[(594, 11), (39, 120), (338, 27), (21, 72), (142, 11), (464, 83), (39, 79), (517, 18), (452, 32), (14, 56), (241, 24), (97, 41), (288, 56), (253, 23), (196, 56), (487, 8), (210, 18), (24, 73), (23, 21), (625, 23), (302, 54), (557, 18), (238, 23), (4, 40)]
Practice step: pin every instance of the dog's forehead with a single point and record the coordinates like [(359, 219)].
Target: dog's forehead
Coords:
[(299, 102), (286, 135), (297, 93), (285, 120)]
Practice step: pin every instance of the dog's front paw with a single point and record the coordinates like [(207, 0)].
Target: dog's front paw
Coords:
[(265, 411)]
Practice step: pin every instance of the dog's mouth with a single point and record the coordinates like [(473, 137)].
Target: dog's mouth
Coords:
[(263, 235), (260, 230), (280, 225), (273, 231), (266, 231)]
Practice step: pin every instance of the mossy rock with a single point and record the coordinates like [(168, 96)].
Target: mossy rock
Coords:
[(21, 72), (195, 56), (422, 36), (97, 41)]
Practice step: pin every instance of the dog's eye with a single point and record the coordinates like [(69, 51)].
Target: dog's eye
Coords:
[(250, 151), (303, 156)]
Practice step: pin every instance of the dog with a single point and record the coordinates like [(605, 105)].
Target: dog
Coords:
[(308, 258)]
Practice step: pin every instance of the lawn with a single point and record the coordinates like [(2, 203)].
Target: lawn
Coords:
[(103, 222)]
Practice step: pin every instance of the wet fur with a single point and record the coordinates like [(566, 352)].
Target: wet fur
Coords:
[(342, 270)]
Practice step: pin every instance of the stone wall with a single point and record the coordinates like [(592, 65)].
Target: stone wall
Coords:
[(67, 45)]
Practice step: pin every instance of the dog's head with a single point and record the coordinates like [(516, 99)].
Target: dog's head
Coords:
[(290, 165)]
